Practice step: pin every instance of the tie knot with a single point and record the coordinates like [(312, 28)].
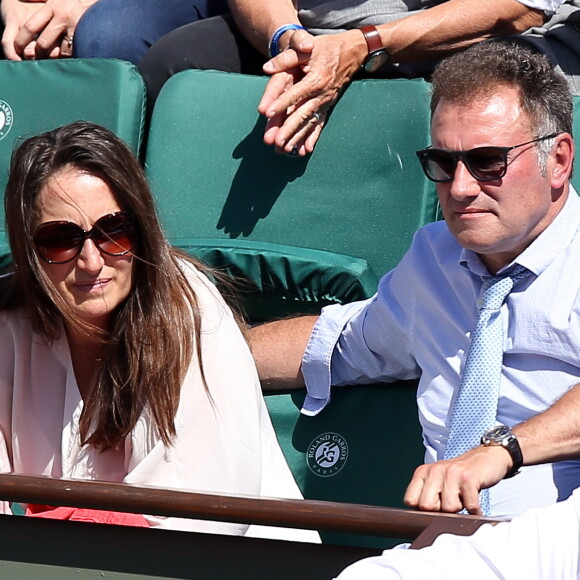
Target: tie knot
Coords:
[(496, 288)]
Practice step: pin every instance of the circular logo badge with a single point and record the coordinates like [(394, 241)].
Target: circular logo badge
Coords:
[(327, 454), (5, 119)]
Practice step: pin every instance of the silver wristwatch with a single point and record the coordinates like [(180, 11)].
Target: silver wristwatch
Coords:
[(502, 435)]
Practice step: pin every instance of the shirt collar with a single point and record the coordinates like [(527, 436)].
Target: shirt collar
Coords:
[(542, 251)]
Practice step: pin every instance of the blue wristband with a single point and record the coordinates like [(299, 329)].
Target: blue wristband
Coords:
[(274, 48)]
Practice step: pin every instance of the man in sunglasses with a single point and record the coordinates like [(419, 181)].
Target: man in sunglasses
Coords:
[(501, 156)]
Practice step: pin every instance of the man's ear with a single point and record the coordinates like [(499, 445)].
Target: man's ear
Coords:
[(563, 157)]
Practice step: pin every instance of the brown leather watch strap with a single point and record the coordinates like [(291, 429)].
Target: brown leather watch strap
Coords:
[(373, 37)]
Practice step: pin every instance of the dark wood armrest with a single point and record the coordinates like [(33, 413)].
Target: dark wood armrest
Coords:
[(306, 514)]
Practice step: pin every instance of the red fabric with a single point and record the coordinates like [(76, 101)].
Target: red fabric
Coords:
[(86, 515)]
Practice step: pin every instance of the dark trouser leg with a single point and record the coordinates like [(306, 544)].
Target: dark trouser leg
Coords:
[(215, 43), (127, 28)]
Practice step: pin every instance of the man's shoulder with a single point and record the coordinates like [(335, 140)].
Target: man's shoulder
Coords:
[(437, 239), (434, 254), (435, 229)]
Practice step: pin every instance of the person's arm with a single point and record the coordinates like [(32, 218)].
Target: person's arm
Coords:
[(315, 69), (456, 24), (553, 435), (453, 484), (278, 348), (259, 20)]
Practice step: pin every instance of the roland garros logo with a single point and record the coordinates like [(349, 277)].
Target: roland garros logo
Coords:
[(5, 119), (327, 454)]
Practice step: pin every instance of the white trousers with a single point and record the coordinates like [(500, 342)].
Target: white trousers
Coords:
[(539, 544)]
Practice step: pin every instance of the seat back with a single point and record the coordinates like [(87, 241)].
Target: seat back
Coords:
[(227, 197), (37, 96), (363, 448)]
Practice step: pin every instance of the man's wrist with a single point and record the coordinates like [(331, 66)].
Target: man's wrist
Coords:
[(502, 436), (354, 47), (274, 44), (377, 55)]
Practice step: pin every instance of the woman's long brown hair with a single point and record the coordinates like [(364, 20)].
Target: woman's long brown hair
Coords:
[(155, 331)]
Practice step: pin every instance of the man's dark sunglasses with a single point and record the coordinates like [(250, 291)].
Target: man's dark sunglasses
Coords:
[(484, 163), (59, 242)]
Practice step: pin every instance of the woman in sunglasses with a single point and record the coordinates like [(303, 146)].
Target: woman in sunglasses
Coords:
[(119, 360)]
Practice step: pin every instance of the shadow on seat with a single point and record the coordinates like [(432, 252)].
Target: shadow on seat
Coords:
[(360, 196)]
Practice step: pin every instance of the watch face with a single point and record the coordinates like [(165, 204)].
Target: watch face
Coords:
[(503, 436), (497, 434), (375, 60)]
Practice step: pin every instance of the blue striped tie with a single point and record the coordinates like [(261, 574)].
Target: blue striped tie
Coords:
[(475, 407)]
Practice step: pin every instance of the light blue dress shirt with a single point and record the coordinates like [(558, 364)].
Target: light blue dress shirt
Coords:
[(419, 325)]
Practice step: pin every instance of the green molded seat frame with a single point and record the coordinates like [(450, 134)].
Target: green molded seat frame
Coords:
[(361, 193)]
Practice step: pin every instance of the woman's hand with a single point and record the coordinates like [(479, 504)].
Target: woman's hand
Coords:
[(48, 31), (14, 14)]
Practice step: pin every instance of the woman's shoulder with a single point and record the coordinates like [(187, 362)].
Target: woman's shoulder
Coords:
[(15, 331), (210, 303), (192, 269), (198, 280)]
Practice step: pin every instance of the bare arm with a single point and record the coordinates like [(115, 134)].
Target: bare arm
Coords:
[(454, 484), (553, 435), (453, 25), (278, 348), (309, 76), (258, 20)]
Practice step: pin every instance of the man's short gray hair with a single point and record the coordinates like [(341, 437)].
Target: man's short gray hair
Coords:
[(475, 72)]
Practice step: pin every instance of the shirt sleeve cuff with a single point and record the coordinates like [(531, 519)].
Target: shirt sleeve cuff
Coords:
[(316, 362)]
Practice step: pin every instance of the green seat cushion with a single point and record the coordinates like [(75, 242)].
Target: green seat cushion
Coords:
[(274, 280), (360, 193)]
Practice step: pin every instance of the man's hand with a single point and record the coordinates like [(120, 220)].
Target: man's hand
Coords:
[(454, 484), (307, 79)]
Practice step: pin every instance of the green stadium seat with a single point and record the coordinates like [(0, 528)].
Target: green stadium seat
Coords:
[(37, 96), (303, 233), (361, 193), (361, 449)]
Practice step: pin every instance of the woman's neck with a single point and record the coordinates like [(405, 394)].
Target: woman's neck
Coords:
[(86, 354)]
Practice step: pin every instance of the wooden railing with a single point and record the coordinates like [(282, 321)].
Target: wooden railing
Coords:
[(422, 527)]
